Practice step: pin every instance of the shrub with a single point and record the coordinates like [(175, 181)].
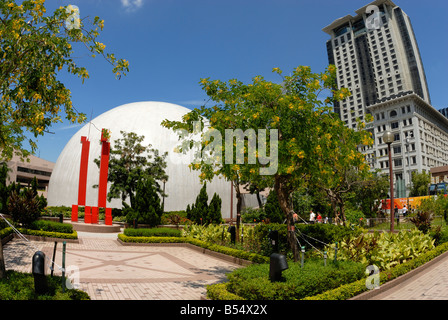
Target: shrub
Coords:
[(153, 232), (251, 215), (20, 286), (253, 282), (51, 226), (422, 220), (272, 209), (23, 207), (384, 250)]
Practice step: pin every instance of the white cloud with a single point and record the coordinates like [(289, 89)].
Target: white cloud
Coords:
[(132, 5)]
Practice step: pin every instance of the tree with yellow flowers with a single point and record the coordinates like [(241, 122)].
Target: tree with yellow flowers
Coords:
[(301, 132), (34, 47)]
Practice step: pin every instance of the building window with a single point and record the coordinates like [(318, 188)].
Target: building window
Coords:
[(393, 113), (394, 125)]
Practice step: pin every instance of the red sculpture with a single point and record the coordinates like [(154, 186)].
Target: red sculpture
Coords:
[(91, 213)]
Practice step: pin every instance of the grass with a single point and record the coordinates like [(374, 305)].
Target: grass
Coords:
[(20, 286)]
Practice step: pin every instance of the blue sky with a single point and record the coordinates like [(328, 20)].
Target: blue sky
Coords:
[(172, 44)]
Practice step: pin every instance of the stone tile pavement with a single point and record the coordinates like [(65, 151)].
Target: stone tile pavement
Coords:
[(110, 271), (428, 282)]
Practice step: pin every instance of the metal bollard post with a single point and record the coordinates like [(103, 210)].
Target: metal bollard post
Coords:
[(336, 252), (232, 231), (54, 256), (63, 266), (278, 264), (38, 266), (325, 258), (303, 256)]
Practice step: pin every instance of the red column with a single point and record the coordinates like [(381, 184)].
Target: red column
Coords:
[(87, 215), (95, 211), (74, 213), (83, 171), (108, 218), (104, 169)]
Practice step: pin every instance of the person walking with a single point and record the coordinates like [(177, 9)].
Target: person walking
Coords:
[(319, 218), (312, 216)]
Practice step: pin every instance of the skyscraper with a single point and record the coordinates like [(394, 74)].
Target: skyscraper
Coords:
[(378, 60)]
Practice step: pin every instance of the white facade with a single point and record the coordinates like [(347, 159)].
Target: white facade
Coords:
[(421, 138), (143, 118)]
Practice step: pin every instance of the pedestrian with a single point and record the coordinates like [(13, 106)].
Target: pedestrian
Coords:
[(404, 211), (326, 219), (312, 216), (319, 218)]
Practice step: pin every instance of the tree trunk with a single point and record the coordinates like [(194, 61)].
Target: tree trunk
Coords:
[(239, 203), (283, 194), (2, 262)]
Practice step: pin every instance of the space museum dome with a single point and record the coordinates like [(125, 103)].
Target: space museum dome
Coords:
[(143, 118)]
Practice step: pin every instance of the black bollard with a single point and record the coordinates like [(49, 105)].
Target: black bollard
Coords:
[(232, 231), (38, 267), (273, 235), (277, 265)]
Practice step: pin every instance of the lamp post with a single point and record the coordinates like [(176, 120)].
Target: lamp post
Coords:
[(163, 195), (388, 138)]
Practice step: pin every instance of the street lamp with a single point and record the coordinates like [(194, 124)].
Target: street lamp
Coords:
[(388, 138)]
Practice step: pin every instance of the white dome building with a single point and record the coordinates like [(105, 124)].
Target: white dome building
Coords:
[(143, 118)]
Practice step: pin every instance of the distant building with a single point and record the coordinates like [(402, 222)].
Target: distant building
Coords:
[(444, 111), (23, 172), (378, 60)]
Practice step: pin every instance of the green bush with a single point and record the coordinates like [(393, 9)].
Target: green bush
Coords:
[(384, 250), (153, 232), (251, 215), (20, 286), (350, 290), (52, 226), (316, 235), (23, 207), (253, 283)]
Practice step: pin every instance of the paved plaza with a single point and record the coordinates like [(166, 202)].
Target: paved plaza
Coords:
[(109, 270)]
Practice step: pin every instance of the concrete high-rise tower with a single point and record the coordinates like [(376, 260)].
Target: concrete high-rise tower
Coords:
[(377, 58)]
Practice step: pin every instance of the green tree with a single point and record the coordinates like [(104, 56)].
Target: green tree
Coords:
[(35, 48), (24, 207), (272, 209), (420, 183), (199, 210), (131, 162), (214, 209), (148, 209), (4, 190), (294, 122)]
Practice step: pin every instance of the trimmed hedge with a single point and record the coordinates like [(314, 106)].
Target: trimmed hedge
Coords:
[(353, 289), (253, 283), (350, 290), (6, 231), (213, 247), (219, 292), (51, 226), (152, 232), (20, 286)]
